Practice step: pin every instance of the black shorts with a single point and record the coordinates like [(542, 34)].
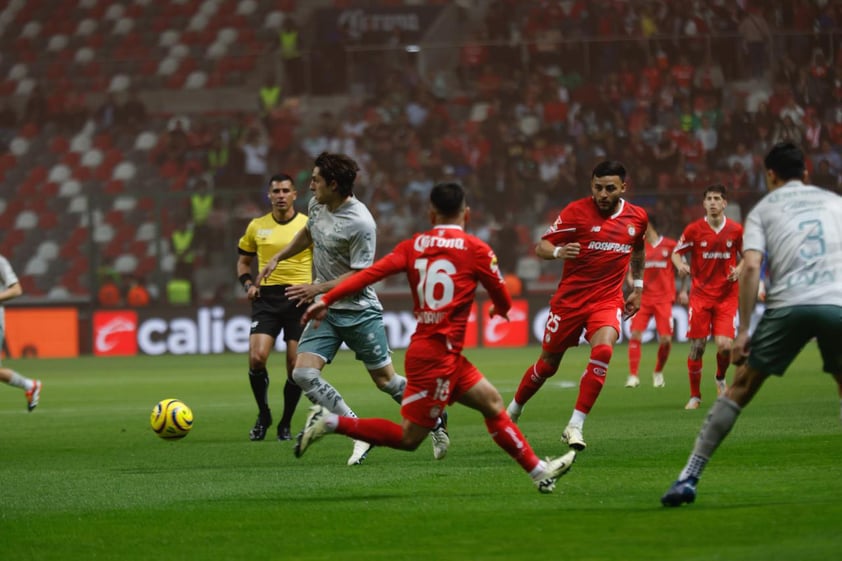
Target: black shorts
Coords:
[(273, 312)]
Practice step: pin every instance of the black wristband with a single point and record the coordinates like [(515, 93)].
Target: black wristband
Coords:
[(244, 278)]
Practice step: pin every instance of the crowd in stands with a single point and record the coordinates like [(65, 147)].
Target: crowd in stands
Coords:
[(685, 93)]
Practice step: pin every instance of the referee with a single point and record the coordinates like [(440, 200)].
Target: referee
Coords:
[(271, 311)]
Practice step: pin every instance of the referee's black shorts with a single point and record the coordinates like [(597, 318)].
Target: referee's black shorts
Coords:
[(273, 312)]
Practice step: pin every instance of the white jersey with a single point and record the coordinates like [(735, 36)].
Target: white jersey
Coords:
[(343, 241), (7, 279), (799, 228)]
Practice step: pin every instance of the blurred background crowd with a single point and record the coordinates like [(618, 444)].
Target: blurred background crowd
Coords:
[(136, 137)]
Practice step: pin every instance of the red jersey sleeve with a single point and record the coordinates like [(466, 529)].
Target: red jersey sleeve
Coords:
[(488, 274), (563, 230), (391, 264)]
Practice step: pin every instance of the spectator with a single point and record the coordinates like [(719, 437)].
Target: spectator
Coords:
[(107, 114), (109, 294), (788, 130), (269, 96), (814, 131), (8, 123), (289, 39), (825, 176), (708, 78), (133, 113), (756, 35), (36, 109), (255, 149), (137, 296)]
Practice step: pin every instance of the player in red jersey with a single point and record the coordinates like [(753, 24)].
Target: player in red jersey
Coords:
[(443, 267), (657, 301), (600, 238), (713, 244)]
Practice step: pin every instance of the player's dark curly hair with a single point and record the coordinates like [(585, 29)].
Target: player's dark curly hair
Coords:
[(447, 198), (716, 188), (609, 167), (339, 168), (787, 161)]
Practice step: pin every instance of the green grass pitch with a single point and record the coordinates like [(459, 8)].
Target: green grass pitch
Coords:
[(84, 477)]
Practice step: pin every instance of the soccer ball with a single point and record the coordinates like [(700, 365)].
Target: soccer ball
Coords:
[(171, 419)]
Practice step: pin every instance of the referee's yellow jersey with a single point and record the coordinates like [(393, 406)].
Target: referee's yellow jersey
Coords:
[(265, 237)]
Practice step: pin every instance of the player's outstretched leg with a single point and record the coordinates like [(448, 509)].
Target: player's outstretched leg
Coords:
[(440, 438), (555, 468), (315, 428)]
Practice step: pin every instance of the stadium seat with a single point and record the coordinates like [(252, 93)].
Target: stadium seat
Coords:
[(146, 232), (124, 203), (227, 36), (31, 30), (18, 72), (84, 55), (48, 250), (169, 38), (19, 146), (59, 144), (123, 26), (103, 233), (124, 171), (198, 22), (274, 20), (35, 267), (69, 188), (78, 204), (146, 140), (125, 263), (26, 220), (49, 190), (59, 173), (81, 143), (167, 66), (46, 220), (59, 292), (196, 80), (57, 43), (119, 83), (86, 27), (25, 86), (92, 158), (216, 50)]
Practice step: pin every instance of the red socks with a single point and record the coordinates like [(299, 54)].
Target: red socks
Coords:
[(634, 356), (380, 432), (532, 380), (663, 355), (508, 437), (694, 372), (594, 377)]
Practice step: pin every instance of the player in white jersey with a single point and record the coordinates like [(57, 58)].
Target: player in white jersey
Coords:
[(10, 288), (343, 236), (799, 229)]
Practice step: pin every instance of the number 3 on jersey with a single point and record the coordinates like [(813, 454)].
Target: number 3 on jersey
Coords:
[(435, 285)]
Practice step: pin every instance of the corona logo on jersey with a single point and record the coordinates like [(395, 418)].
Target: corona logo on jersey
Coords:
[(498, 332), (115, 333)]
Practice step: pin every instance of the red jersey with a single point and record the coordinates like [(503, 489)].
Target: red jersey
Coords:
[(598, 273), (659, 273), (713, 253), (443, 266)]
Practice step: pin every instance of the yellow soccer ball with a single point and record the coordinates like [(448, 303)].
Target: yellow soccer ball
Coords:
[(171, 419)]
